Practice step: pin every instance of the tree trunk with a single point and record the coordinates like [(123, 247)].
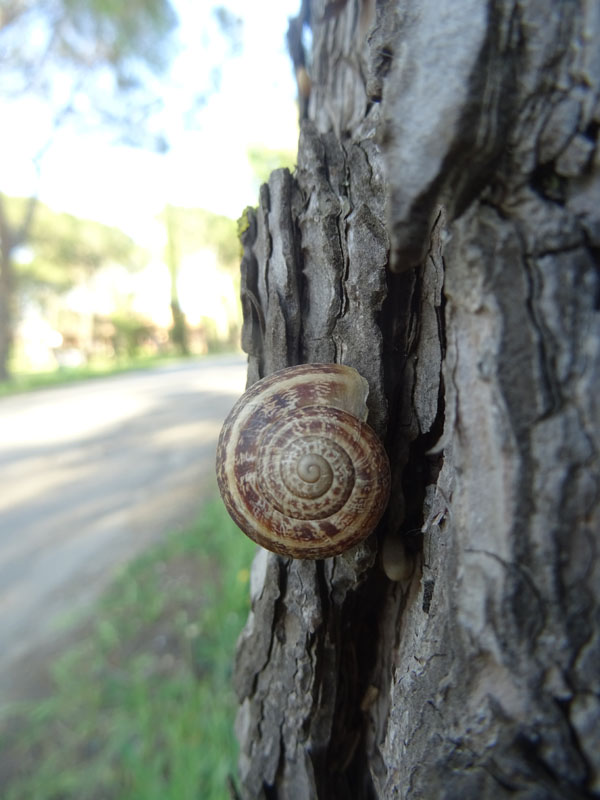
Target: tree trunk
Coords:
[(11, 236), (441, 235), (6, 305), (178, 332)]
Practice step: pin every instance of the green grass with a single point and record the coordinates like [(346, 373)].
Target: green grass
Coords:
[(24, 381), (142, 707)]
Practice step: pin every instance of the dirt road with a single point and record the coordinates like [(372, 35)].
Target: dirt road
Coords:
[(90, 475)]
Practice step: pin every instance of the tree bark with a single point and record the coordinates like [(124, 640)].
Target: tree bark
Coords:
[(441, 234)]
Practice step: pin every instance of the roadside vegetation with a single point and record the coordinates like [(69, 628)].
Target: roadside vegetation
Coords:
[(142, 706), (27, 380)]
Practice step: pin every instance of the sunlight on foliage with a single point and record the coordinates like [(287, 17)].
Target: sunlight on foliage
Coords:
[(264, 160)]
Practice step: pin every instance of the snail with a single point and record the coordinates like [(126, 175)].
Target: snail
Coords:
[(299, 470)]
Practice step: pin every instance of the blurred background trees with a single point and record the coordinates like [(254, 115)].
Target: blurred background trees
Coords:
[(202, 252), (101, 70), (67, 276), (90, 62)]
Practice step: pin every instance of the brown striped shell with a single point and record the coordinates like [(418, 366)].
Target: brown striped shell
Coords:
[(299, 470)]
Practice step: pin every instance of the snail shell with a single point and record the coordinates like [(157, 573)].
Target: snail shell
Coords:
[(299, 470)]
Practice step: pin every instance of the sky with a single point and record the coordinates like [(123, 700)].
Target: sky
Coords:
[(206, 167)]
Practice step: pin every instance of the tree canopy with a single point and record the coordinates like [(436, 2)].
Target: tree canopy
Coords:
[(195, 229), (264, 160), (95, 59), (63, 249)]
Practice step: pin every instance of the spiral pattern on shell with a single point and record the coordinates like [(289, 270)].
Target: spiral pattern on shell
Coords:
[(300, 473)]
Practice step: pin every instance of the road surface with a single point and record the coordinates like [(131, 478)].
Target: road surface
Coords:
[(90, 475)]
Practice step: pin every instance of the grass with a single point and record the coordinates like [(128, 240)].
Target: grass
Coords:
[(142, 706), (26, 381)]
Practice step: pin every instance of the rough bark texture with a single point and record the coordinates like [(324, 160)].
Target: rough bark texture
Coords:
[(441, 234)]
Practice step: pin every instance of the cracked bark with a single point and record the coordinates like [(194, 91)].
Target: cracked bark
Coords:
[(442, 235)]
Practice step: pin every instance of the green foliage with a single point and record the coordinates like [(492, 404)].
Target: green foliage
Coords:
[(99, 368), (64, 249), (215, 344), (83, 42), (93, 62), (135, 29), (264, 160), (243, 222), (193, 229), (130, 334), (178, 333), (143, 707)]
